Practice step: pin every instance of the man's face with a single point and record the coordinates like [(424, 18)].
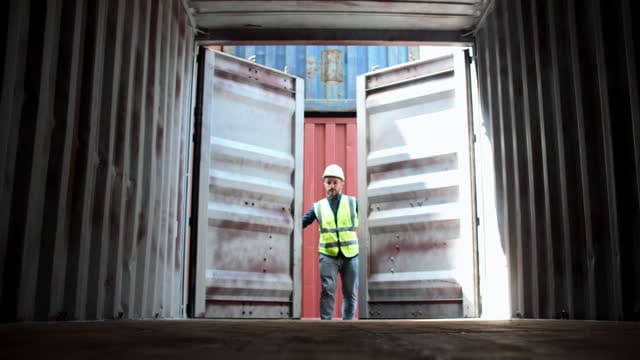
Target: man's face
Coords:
[(333, 185)]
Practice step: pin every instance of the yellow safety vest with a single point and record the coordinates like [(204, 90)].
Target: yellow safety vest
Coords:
[(340, 236)]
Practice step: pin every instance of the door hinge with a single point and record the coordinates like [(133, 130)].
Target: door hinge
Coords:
[(471, 56)]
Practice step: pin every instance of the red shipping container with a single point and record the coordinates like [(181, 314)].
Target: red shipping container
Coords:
[(326, 141)]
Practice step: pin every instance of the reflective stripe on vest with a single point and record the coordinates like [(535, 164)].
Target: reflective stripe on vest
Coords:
[(342, 235)]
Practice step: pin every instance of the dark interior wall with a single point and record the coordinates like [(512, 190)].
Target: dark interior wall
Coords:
[(95, 102), (559, 95)]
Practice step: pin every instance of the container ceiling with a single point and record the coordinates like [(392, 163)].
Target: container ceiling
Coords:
[(433, 20)]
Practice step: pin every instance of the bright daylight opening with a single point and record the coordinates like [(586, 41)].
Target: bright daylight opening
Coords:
[(493, 267), (398, 120)]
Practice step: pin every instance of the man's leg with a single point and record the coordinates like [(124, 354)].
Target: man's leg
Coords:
[(328, 275), (349, 274)]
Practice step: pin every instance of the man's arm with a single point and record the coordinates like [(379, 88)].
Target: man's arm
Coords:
[(308, 218)]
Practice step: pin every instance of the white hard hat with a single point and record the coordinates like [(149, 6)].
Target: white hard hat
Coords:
[(333, 170)]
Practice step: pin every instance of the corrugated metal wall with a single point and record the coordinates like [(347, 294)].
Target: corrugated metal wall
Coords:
[(329, 71), (95, 100), (326, 141), (559, 87)]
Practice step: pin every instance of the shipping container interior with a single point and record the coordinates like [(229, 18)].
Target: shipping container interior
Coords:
[(554, 179), (147, 176)]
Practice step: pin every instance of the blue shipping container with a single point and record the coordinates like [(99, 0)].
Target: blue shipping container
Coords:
[(329, 71)]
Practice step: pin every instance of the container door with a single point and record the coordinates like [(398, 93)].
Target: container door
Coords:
[(415, 191), (249, 190)]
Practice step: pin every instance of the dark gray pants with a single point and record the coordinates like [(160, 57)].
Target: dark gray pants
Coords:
[(329, 269)]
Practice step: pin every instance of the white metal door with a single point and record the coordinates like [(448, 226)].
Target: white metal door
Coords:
[(415, 191), (249, 192)]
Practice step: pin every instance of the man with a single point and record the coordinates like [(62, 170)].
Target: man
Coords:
[(337, 216)]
